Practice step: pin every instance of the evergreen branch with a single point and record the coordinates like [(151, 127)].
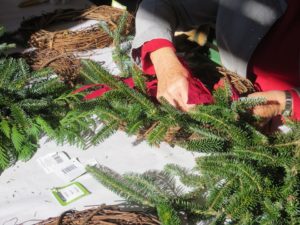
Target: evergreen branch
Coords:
[(244, 104), (121, 25), (167, 214), (97, 75), (146, 186), (107, 114), (206, 117), (141, 99), (236, 134), (4, 47), (255, 155), (205, 145), (27, 152), (193, 208), (139, 81), (203, 132), (133, 128), (4, 158), (224, 166), (23, 68), (46, 127), (105, 78), (20, 116), (8, 68), (5, 128), (103, 25), (27, 108), (222, 96), (17, 138), (51, 86), (166, 182), (186, 177), (178, 116), (247, 201), (105, 132), (31, 105), (296, 143), (272, 212), (115, 183), (69, 98), (40, 75), (77, 119), (222, 192), (121, 59), (255, 136), (157, 134)]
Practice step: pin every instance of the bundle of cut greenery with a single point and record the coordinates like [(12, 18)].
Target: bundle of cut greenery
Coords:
[(30, 103), (33, 104), (246, 177)]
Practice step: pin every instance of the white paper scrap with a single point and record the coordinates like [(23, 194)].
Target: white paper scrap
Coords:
[(51, 161), (70, 170), (62, 165)]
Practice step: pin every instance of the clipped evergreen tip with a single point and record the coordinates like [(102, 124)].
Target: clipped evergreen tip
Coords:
[(4, 46), (245, 103), (167, 214), (131, 191)]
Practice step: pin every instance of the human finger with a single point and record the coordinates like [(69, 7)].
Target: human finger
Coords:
[(183, 99), (169, 98), (268, 110)]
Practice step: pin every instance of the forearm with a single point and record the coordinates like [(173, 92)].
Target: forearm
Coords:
[(166, 63)]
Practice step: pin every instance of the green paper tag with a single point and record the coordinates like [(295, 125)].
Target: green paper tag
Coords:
[(69, 193)]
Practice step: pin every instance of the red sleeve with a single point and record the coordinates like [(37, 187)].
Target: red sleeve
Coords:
[(149, 47), (296, 105), (198, 93)]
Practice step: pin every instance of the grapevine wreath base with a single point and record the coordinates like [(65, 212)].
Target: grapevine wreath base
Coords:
[(103, 215), (38, 32), (56, 49)]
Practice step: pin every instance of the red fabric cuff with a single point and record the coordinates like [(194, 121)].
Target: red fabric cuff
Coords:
[(149, 47), (296, 105)]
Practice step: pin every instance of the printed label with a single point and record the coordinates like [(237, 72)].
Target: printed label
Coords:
[(70, 193)]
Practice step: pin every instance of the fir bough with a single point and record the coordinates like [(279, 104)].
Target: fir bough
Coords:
[(246, 177), (31, 104), (240, 185)]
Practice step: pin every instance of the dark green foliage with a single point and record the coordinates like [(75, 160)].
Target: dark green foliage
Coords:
[(4, 46), (246, 177), (238, 186), (167, 214), (152, 189), (120, 57), (31, 104)]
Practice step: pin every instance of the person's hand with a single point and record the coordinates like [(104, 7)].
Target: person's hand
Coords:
[(172, 78), (270, 111), (274, 105)]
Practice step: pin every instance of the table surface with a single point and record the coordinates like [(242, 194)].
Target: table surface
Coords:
[(25, 195)]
